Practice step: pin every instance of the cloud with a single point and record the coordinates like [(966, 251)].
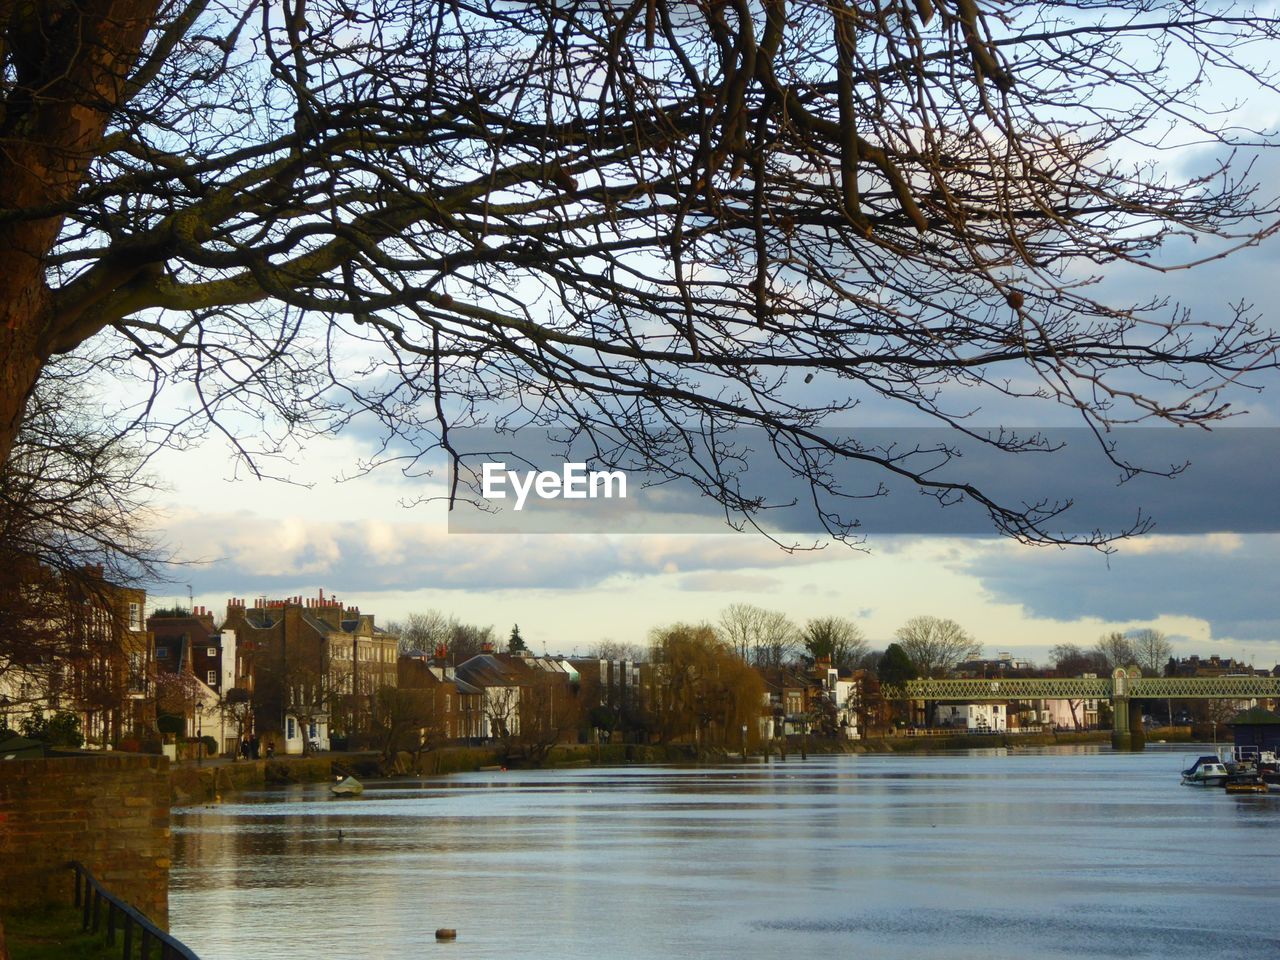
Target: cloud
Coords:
[(246, 553), (716, 582), (1229, 581)]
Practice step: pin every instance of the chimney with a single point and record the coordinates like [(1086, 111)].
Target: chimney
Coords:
[(486, 647)]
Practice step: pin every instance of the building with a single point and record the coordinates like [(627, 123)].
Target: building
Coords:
[(501, 682), (87, 652), (188, 641), (313, 666), (973, 717), (456, 707)]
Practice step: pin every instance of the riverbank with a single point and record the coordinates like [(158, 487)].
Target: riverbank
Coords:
[(212, 780)]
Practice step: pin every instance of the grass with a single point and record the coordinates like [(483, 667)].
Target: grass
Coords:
[(53, 933)]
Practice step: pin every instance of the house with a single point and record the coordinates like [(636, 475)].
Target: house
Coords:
[(459, 706), (314, 666), (86, 652), (500, 681), (188, 640), (973, 717)]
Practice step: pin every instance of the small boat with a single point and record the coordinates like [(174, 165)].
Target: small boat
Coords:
[(1246, 783), (1207, 771), (347, 787)]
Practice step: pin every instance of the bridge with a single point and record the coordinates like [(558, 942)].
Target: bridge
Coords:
[(1121, 688)]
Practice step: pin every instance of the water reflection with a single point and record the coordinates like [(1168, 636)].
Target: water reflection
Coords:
[(994, 854)]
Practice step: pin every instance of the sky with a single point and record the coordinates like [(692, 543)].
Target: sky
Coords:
[(1213, 591)]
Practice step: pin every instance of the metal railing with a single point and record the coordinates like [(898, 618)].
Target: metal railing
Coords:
[(91, 896)]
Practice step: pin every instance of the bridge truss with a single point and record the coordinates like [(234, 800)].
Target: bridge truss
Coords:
[(1101, 688)]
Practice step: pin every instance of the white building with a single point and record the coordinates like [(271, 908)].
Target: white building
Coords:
[(974, 717)]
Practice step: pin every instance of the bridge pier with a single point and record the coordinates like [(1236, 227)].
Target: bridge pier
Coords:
[(1120, 736), (1126, 725)]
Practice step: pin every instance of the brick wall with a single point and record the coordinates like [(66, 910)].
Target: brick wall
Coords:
[(110, 812)]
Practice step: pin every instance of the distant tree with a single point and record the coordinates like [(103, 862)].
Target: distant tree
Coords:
[(607, 649), (515, 643), (177, 694), (410, 720), (763, 638), (432, 631), (1115, 650), (549, 710), (421, 631), (936, 644), (836, 638), (869, 661), (704, 690), (1071, 660), (1151, 649), (896, 667)]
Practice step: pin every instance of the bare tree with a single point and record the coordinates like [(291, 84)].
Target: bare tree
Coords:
[(433, 631), (410, 719), (1115, 650), (72, 498), (645, 228), (606, 649), (836, 638), (763, 638), (935, 644), (1151, 650)]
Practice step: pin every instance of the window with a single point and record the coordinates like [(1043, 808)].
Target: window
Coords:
[(293, 729), (211, 652), (162, 653), (135, 616), (212, 678)]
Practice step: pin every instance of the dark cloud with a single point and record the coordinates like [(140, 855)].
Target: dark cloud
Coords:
[(1231, 582)]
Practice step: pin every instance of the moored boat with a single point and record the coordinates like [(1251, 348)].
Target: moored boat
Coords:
[(1206, 771), (347, 787)]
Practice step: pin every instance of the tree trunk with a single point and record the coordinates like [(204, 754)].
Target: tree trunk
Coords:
[(20, 361), (77, 59)]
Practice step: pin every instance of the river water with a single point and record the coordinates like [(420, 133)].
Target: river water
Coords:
[(1025, 853)]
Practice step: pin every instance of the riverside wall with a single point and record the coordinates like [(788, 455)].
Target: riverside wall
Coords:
[(109, 811)]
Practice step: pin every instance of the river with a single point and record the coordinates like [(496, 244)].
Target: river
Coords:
[(1001, 854)]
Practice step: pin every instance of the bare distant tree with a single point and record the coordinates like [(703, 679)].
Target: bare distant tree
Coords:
[(837, 638), (1151, 650), (763, 638), (647, 224), (1115, 650), (607, 649), (1071, 660), (433, 630), (422, 631), (936, 645)]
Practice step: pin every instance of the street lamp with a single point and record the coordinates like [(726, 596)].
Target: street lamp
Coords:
[(744, 741)]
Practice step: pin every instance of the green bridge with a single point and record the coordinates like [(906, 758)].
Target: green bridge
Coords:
[(1121, 688)]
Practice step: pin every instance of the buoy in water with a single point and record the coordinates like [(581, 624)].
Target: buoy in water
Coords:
[(446, 933)]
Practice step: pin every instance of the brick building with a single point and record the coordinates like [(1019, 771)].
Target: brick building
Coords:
[(313, 666)]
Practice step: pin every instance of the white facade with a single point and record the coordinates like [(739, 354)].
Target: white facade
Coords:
[(975, 717), (846, 697), (1072, 714), (294, 731)]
